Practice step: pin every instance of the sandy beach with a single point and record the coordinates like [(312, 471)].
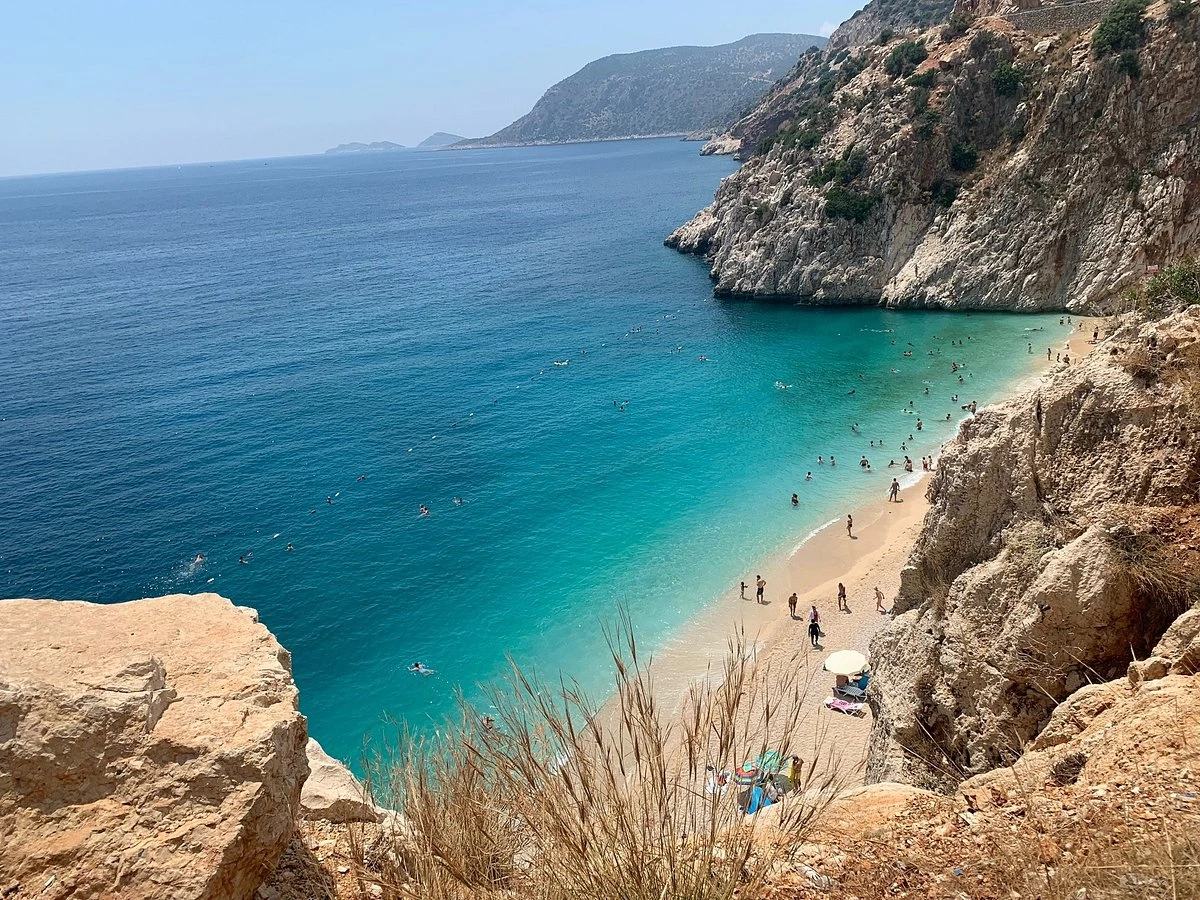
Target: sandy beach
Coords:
[(884, 535)]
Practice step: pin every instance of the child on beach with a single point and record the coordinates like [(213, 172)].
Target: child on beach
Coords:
[(743, 590)]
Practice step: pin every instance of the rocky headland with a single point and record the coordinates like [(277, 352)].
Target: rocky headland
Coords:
[(1000, 161), (672, 91)]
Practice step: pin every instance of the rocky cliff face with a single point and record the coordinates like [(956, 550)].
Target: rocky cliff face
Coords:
[(1062, 542), (985, 168), (147, 749), (881, 16)]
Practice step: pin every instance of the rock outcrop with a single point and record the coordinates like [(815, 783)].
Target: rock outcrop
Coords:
[(147, 749), (1062, 541), (332, 793), (984, 167)]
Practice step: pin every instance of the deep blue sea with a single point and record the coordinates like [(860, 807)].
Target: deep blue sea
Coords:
[(206, 360)]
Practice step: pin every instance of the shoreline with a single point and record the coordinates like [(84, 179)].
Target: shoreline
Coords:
[(884, 536)]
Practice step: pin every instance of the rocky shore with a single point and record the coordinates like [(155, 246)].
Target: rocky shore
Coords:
[(973, 166)]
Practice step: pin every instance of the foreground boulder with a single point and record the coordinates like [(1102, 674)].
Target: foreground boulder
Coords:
[(147, 749)]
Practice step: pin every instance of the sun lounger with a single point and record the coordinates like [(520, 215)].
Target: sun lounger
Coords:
[(836, 704), (851, 690)]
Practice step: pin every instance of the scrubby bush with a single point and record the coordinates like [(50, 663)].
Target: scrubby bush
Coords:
[(1173, 288), (1179, 10), (920, 99), (885, 36), (956, 27), (846, 203), (963, 157), (944, 193), (1123, 29), (926, 79), (1007, 79), (844, 171), (1129, 64), (927, 124), (904, 58)]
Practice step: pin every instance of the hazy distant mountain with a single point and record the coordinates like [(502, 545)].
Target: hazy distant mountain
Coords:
[(439, 139), (673, 91), (373, 147)]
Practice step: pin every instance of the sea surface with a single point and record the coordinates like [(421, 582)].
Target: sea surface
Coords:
[(238, 358)]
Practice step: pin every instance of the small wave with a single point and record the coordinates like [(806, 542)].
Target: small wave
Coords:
[(812, 534)]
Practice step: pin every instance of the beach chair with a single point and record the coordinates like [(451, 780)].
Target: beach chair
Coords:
[(850, 690), (837, 704)]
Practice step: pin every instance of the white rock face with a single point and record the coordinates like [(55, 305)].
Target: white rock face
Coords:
[(1018, 592), (1085, 177), (150, 749), (332, 793)]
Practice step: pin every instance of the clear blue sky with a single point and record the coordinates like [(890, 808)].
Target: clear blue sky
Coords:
[(92, 85)]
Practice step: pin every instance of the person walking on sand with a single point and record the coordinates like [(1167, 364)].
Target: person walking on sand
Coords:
[(842, 604), (879, 599), (849, 526), (814, 626), (792, 601), (761, 582), (894, 491)]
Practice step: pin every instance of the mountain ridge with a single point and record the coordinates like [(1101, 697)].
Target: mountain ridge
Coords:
[(670, 91)]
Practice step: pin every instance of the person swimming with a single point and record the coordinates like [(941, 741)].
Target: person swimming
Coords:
[(424, 510), (795, 499), (289, 548), (808, 477), (419, 668)]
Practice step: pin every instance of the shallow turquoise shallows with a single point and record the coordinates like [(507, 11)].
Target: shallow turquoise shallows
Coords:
[(205, 360)]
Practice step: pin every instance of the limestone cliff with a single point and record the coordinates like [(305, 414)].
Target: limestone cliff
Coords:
[(983, 166), (1063, 540), (147, 749)]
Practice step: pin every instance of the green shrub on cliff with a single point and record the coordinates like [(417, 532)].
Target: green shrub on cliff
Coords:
[(1007, 79), (944, 193), (846, 203), (963, 157), (1123, 29), (904, 58), (844, 171)]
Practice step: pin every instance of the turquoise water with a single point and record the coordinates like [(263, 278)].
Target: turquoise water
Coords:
[(197, 358)]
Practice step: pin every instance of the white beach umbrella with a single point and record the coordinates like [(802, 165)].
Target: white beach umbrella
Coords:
[(845, 662)]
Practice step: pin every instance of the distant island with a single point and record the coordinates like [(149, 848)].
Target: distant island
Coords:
[(439, 139), (359, 147), (675, 91)]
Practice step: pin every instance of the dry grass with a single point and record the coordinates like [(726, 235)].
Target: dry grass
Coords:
[(1162, 570), (553, 798)]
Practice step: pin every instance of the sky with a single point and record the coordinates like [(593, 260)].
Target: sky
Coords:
[(96, 85)]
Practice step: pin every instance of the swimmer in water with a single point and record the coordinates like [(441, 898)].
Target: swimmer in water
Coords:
[(458, 501), (241, 560), (289, 547), (795, 499), (424, 510), (198, 561), (361, 478), (420, 668), (808, 477)]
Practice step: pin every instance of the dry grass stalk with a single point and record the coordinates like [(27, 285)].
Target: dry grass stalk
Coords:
[(549, 797)]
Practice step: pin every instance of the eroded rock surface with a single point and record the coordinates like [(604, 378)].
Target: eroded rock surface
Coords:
[(147, 749), (1004, 170), (1059, 547)]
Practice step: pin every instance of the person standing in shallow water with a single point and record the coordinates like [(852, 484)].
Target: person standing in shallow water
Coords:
[(792, 601), (761, 582), (814, 626)]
